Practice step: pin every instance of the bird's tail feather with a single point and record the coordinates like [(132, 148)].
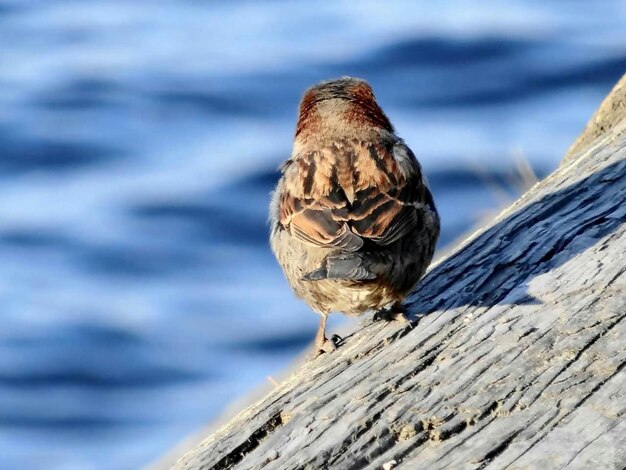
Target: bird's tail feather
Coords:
[(345, 266)]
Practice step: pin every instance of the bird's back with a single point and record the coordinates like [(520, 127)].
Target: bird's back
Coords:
[(358, 220)]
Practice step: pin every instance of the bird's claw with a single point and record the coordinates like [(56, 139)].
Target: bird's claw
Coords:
[(327, 346), (390, 315)]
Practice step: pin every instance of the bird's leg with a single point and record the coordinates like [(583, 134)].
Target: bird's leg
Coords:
[(394, 313), (322, 344)]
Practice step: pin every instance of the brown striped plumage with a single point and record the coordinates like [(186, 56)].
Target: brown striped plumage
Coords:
[(354, 225)]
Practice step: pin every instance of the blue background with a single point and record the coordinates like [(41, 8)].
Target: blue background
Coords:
[(138, 145)]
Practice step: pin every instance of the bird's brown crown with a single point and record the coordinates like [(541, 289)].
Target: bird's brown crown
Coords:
[(342, 102)]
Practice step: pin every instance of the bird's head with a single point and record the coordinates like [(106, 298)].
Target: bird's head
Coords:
[(343, 106)]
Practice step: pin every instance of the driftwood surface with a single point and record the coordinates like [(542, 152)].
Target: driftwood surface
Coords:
[(515, 358)]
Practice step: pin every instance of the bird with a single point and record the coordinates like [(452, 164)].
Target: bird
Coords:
[(353, 223)]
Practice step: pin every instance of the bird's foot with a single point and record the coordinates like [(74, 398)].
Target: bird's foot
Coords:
[(326, 346), (392, 314)]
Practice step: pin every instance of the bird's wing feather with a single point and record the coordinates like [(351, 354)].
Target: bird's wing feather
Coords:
[(351, 192), (385, 208), (313, 206)]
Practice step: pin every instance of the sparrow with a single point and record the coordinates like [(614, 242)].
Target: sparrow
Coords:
[(353, 223)]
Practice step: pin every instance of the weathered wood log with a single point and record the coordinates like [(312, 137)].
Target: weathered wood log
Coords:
[(515, 359)]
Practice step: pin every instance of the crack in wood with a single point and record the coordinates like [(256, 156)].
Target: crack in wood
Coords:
[(497, 450), (254, 440)]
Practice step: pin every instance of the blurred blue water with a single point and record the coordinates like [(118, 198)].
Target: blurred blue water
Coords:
[(138, 146)]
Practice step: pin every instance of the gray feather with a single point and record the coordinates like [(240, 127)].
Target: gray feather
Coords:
[(346, 266)]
